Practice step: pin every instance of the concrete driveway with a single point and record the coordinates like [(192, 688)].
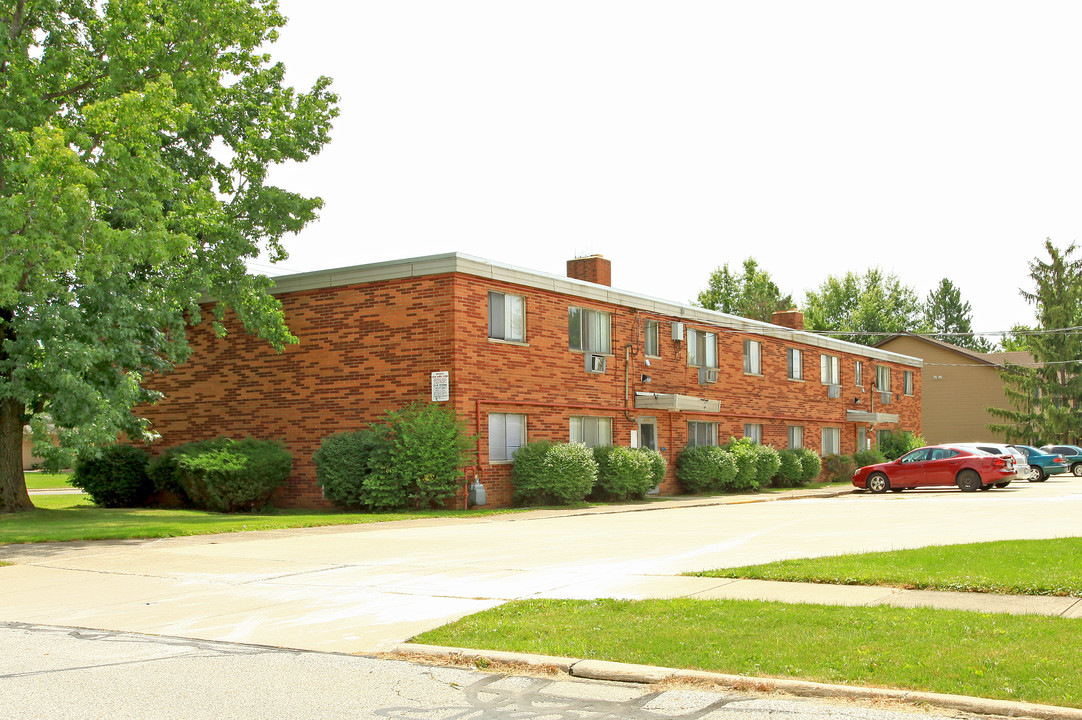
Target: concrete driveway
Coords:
[(367, 588)]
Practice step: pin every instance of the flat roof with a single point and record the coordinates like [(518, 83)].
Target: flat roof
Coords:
[(469, 265)]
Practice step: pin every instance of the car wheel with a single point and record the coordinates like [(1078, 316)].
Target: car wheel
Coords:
[(1003, 484), (1076, 469), (969, 481), (1038, 474), (878, 483)]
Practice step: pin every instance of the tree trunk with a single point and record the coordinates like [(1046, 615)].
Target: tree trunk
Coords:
[(13, 495)]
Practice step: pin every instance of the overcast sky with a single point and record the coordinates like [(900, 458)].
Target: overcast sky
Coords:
[(930, 139)]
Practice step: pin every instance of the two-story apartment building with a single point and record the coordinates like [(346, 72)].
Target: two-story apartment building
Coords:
[(523, 355)]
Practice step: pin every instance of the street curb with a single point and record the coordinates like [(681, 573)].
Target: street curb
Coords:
[(649, 674)]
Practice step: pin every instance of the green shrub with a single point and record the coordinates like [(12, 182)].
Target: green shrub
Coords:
[(895, 443), (622, 473), (658, 466), (344, 461), (427, 447), (546, 473), (811, 463), (790, 470), (768, 462), (228, 475), (705, 468), (840, 467), (863, 458), (747, 464), (116, 477), (163, 475)]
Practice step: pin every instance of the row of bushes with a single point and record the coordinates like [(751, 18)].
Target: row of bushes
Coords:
[(223, 475), (550, 473), (743, 465)]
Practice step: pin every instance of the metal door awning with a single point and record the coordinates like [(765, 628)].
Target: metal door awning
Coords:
[(675, 403)]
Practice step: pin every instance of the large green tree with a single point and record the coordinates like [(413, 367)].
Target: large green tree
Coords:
[(1046, 398), (864, 308), (951, 318), (750, 294), (135, 141)]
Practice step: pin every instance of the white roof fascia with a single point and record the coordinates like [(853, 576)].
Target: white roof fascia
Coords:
[(479, 267)]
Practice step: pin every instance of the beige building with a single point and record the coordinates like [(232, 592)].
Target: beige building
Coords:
[(959, 387)]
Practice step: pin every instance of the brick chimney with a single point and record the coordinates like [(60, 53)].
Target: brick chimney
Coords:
[(592, 268), (788, 318)]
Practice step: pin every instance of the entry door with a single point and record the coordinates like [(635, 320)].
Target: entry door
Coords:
[(648, 439)]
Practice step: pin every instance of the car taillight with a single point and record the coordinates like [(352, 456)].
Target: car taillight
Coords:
[(998, 462), (1059, 459)]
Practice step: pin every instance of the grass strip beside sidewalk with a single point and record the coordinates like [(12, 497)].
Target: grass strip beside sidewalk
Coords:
[(1017, 567), (1011, 657)]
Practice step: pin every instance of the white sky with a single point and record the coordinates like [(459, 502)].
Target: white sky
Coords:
[(931, 139)]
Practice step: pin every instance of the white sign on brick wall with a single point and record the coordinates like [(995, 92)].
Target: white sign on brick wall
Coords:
[(441, 386)]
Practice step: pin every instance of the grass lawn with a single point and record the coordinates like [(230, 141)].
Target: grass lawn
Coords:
[(1012, 657), (1023, 567), (42, 481), (74, 517)]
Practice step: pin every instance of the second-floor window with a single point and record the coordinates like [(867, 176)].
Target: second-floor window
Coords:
[(858, 372), (829, 370), (702, 349), (589, 330), (907, 382), (650, 342), (882, 378), (753, 357), (795, 363), (506, 317)]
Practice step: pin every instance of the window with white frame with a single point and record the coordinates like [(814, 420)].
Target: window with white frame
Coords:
[(506, 317), (862, 438), (795, 363), (907, 382), (702, 433), (589, 330), (796, 437), (832, 441), (882, 378), (506, 434), (652, 347), (829, 370), (591, 431), (753, 357), (753, 432), (858, 373), (702, 349)]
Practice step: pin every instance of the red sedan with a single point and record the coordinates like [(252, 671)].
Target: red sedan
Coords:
[(937, 466)]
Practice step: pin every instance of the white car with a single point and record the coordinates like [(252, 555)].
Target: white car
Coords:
[(1022, 469)]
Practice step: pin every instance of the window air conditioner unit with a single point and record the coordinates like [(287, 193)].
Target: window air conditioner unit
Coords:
[(595, 363), (834, 391), (678, 331), (885, 398), (708, 376)]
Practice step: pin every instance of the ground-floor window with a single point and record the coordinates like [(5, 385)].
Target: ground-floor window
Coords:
[(591, 431), (832, 441), (753, 432), (702, 433), (796, 437), (506, 434)]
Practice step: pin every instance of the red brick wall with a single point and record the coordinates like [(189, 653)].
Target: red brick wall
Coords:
[(368, 348)]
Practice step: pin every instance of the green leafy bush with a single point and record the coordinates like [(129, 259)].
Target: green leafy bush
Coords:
[(658, 466), (840, 467), (622, 473), (163, 475), (547, 473), (790, 470), (228, 475), (811, 463), (747, 464), (895, 443), (116, 477), (863, 458), (705, 468), (768, 462), (343, 462)]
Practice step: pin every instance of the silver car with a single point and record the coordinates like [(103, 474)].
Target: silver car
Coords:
[(1022, 469)]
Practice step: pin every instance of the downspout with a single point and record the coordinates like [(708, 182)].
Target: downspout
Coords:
[(627, 380)]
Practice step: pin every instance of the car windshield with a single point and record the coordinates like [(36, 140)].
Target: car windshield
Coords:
[(915, 456)]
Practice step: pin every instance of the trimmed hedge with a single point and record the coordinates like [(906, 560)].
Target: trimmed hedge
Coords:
[(811, 463), (705, 468), (747, 464), (622, 473), (840, 467), (658, 466), (227, 475), (116, 477), (344, 460), (546, 473), (863, 458), (790, 470)]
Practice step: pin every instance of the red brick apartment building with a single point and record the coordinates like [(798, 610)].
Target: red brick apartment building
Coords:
[(528, 356)]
